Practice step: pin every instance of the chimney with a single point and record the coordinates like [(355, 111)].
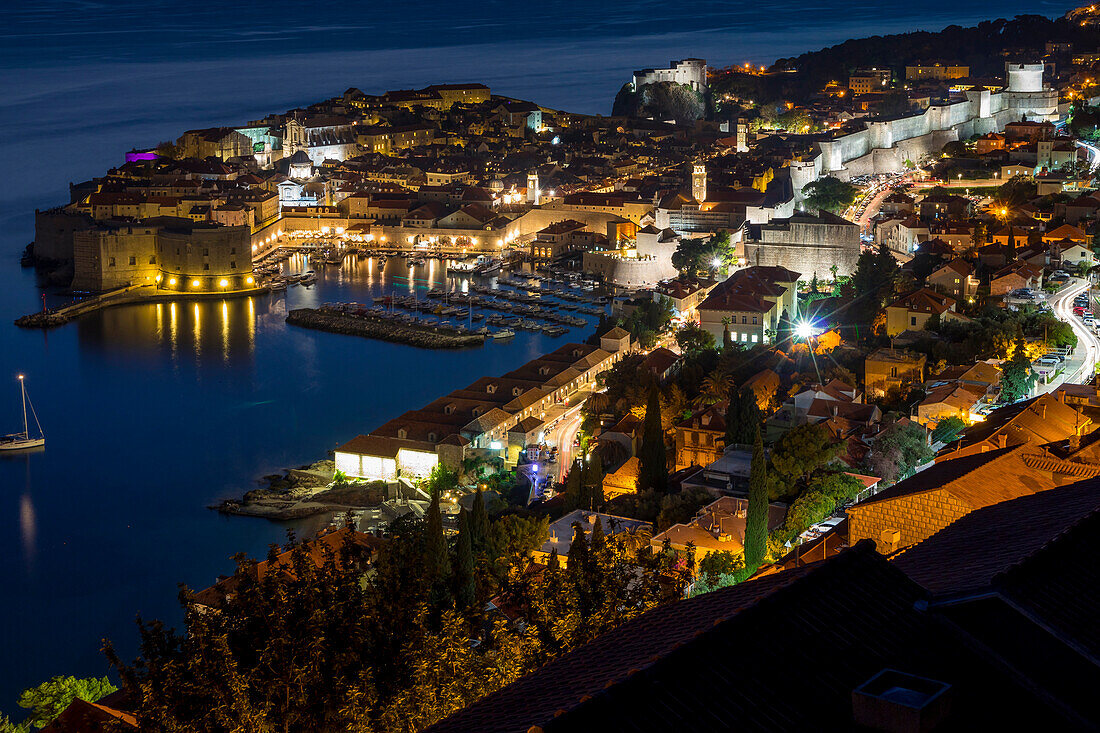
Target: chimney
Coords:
[(898, 702), (1002, 440)]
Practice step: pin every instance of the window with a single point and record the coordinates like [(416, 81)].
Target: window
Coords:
[(744, 319), (133, 260), (232, 265), (111, 262), (755, 338), (205, 252), (754, 320), (206, 265), (233, 251), (912, 320), (744, 337), (893, 371), (153, 259)]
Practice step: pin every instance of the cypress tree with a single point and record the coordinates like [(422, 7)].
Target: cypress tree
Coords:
[(479, 524), (756, 516), (748, 418), (595, 478), (436, 557), (742, 417), (553, 563), (653, 462), (577, 557), (463, 567)]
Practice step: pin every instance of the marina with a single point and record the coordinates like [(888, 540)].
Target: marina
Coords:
[(430, 302)]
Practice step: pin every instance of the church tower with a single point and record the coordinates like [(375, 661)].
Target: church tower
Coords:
[(742, 135), (699, 182), (294, 138), (533, 188)]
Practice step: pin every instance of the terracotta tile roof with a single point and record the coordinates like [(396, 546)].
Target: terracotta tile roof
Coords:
[(1060, 583), (977, 480), (376, 445), (567, 681), (967, 555), (109, 713), (924, 300), (616, 333), (317, 549), (722, 661), (1044, 419), (660, 360)]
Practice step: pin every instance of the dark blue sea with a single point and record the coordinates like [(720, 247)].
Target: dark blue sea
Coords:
[(153, 412)]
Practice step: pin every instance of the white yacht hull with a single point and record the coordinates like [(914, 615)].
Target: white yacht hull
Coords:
[(22, 443)]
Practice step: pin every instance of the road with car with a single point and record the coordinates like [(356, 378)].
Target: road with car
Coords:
[(1074, 305)]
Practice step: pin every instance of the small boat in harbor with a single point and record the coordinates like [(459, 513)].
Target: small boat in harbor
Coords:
[(23, 440), (277, 285), (504, 333)]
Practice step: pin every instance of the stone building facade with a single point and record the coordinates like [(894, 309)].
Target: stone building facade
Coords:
[(810, 243), (689, 72)]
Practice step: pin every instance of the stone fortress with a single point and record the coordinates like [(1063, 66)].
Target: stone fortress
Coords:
[(884, 145), (689, 72)]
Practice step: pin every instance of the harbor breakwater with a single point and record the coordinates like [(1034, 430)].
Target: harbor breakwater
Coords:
[(425, 337)]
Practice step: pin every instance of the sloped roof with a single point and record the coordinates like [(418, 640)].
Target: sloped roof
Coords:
[(966, 556), (924, 300), (977, 480), (722, 661)]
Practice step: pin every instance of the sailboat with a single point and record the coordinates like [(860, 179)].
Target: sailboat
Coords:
[(23, 440)]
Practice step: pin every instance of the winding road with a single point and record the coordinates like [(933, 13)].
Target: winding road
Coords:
[(1088, 345)]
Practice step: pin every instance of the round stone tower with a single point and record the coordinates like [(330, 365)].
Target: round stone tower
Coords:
[(1024, 77)]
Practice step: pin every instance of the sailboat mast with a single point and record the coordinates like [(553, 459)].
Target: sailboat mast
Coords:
[(23, 391)]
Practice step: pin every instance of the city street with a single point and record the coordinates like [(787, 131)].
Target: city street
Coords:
[(1082, 366)]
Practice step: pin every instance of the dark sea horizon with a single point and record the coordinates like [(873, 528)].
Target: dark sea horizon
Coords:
[(150, 416)]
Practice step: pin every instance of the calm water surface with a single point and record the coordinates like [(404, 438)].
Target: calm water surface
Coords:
[(153, 412)]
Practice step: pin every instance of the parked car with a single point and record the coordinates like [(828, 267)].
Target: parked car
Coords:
[(1047, 361)]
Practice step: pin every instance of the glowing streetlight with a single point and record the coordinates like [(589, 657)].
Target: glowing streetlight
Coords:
[(803, 329)]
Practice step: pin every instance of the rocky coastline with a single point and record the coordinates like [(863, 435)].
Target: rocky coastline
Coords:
[(302, 492), (424, 337)]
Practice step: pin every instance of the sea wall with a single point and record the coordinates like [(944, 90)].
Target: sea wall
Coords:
[(53, 233), (423, 336)]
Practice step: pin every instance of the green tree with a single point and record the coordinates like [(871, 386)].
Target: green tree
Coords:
[(49, 699), (829, 194), (462, 568), (718, 563), (479, 524), (714, 388), (898, 451), (436, 557), (693, 338), (802, 451), (756, 516), (742, 417), (1017, 377), (819, 501), (652, 456), (948, 429)]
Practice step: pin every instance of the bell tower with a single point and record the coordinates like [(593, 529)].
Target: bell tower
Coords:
[(699, 182), (533, 188)]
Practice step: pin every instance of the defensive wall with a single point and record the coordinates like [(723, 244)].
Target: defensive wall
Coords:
[(629, 272), (883, 146)]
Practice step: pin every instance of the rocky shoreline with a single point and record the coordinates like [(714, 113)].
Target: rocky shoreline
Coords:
[(302, 492), (424, 337)]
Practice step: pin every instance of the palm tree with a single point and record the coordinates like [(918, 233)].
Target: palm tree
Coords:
[(636, 538), (714, 388), (596, 403)]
